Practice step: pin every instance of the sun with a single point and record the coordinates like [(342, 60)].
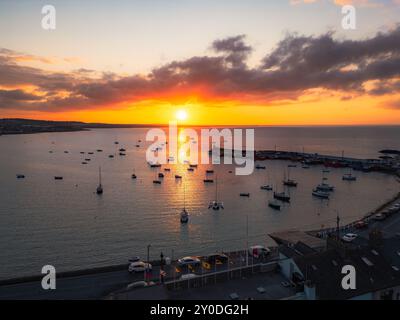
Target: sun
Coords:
[(181, 115)]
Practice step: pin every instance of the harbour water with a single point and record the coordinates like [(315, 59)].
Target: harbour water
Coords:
[(65, 224)]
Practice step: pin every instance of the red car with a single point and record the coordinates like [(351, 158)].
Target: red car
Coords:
[(361, 225)]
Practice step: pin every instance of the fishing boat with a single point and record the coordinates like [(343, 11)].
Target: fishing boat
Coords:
[(282, 196), (209, 171), (208, 180), (349, 177), (155, 165), (325, 187), (58, 178), (99, 189), (193, 165), (244, 194), (122, 154), (137, 146), (134, 176), (111, 156), (82, 152), (167, 169), (266, 187), (156, 181), (161, 175), (215, 204), (320, 194), (122, 150), (184, 213), (90, 152), (290, 183), (87, 159), (190, 169), (259, 166), (84, 162), (116, 142), (177, 176), (20, 176), (66, 151), (274, 204), (99, 150)]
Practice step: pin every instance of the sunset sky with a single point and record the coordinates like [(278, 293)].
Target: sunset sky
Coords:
[(256, 62)]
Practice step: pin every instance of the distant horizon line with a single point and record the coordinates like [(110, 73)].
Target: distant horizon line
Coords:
[(201, 125)]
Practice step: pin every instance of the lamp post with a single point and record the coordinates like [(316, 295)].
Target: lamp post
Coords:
[(148, 262), (162, 267)]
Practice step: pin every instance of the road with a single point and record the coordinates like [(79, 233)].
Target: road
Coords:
[(98, 285)]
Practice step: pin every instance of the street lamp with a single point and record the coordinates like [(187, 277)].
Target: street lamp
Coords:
[(146, 273)]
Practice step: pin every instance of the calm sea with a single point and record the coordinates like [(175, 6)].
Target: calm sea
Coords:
[(65, 224)]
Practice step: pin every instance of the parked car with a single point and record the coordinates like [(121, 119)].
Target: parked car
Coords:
[(349, 237), (361, 224), (379, 217), (188, 276), (134, 259), (139, 266), (189, 261), (139, 284), (258, 251), (212, 259)]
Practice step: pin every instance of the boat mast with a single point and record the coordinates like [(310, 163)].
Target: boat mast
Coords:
[(184, 197), (99, 176)]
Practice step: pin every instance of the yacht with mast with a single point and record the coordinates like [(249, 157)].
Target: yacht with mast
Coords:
[(266, 186), (289, 182), (349, 176), (216, 205), (99, 189), (184, 213)]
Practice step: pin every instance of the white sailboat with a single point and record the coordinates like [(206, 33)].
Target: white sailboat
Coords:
[(349, 176), (266, 186), (216, 205)]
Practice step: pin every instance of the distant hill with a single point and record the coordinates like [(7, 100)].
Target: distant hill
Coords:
[(27, 126)]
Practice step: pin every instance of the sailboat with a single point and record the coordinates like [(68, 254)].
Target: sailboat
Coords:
[(323, 186), (349, 176), (99, 189), (215, 205), (289, 182), (266, 187), (282, 196), (184, 213)]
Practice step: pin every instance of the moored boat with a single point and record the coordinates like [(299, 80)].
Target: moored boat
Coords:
[(320, 194), (282, 196), (274, 204)]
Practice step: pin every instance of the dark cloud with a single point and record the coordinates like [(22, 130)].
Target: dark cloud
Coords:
[(235, 49), (297, 64)]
